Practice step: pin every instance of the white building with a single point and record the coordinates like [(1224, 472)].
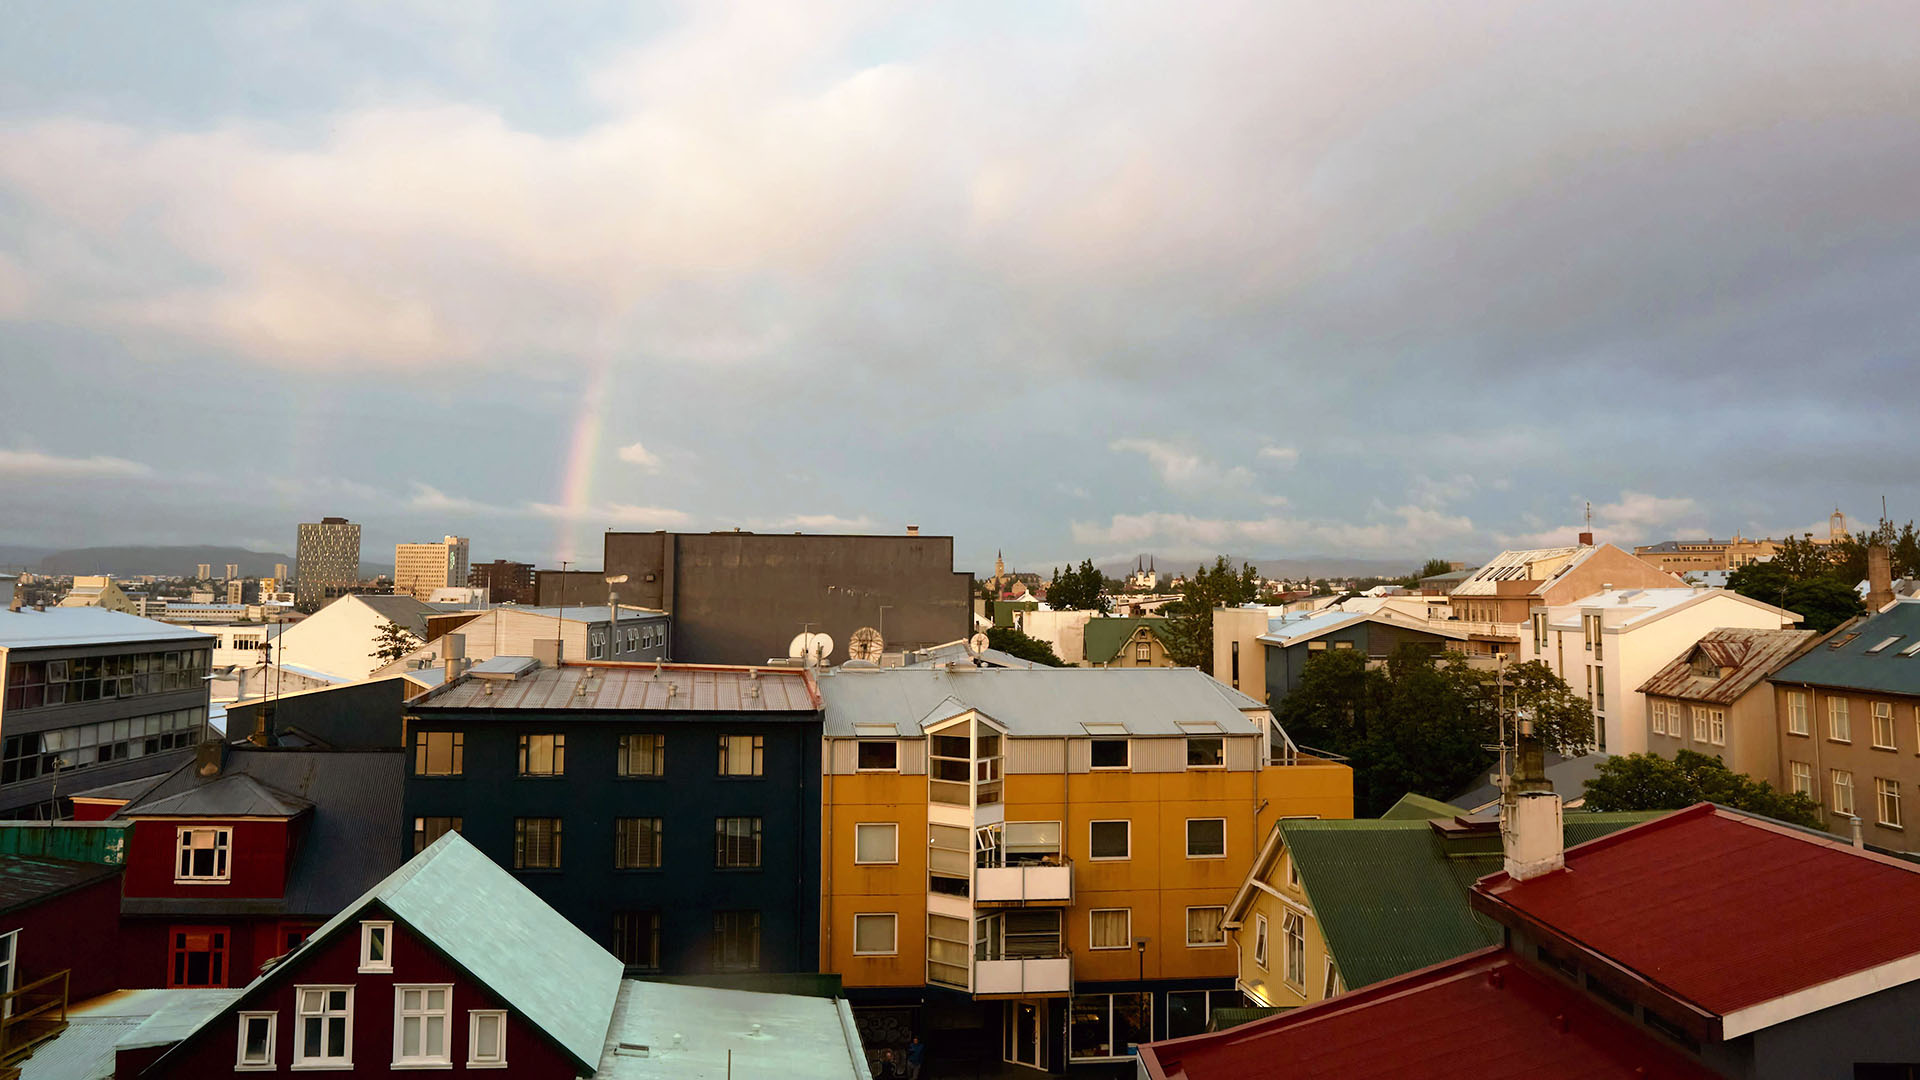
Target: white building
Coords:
[(338, 640), (1607, 644)]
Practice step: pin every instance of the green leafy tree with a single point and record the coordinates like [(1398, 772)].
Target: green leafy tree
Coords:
[(1651, 782), (1822, 600), (1190, 618), (1801, 559), (1015, 642), (391, 641), (1906, 552), (1433, 568), (1081, 588)]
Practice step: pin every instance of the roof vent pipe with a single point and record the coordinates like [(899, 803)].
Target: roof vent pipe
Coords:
[(1858, 841)]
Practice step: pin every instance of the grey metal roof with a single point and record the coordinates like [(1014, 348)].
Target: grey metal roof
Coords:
[(229, 795), (404, 610), (1292, 630), (955, 652), (26, 880), (688, 1031), (502, 665), (1568, 775), (96, 1029), (1745, 656), (125, 789), (674, 688), (87, 626), (1857, 656), (1041, 702)]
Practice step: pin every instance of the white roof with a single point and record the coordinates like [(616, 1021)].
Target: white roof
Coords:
[(85, 626), (1628, 607), (1293, 629), (1518, 565), (1033, 702), (687, 1032)]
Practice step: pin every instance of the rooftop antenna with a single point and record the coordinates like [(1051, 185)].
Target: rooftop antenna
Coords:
[(1589, 515)]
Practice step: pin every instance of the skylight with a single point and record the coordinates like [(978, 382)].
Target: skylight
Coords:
[(1201, 727), (1911, 649), (1105, 729), (1843, 641), (1884, 642)]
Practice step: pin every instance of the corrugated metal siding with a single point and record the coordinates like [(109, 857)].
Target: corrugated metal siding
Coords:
[(1159, 755), (1047, 756), (913, 757), (1243, 754)]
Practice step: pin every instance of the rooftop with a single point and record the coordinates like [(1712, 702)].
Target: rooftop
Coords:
[(1530, 564), (1037, 702), (1106, 637), (1630, 607), (97, 1028), (1879, 653), (1288, 630), (1735, 661), (86, 626), (675, 688), (1754, 914), (688, 1031), (26, 880)]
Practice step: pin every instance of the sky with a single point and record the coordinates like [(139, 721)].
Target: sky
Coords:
[(1369, 279)]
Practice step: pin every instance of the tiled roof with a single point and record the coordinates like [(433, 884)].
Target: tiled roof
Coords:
[(1744, 656), (86, 626), (1484, 1015), (674, 688), (1750, 911), (1858, 655)]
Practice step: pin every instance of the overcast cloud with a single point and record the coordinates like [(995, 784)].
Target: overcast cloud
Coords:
[(1372, 279)]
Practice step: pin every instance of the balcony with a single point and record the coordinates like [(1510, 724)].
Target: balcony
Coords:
[(1024, 976), (33, 1014), (1023, 886), (1506, 631)]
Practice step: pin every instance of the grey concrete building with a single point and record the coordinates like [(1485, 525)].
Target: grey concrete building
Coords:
[(741, 597), (327, 562), (92, 698)]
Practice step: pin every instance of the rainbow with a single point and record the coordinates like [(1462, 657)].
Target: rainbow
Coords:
[(576, 482)]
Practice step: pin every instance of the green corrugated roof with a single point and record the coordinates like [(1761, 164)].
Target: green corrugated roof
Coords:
[(1391, 900), (1106, 637), (1413, 807)]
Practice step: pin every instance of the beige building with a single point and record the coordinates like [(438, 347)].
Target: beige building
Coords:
[(419, 569), (1493, 605), (1714, 699), (100, 592)]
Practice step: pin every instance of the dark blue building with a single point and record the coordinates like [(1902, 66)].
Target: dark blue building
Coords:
[(670, 811)]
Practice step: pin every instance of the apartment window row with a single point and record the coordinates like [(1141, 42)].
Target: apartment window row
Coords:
[(1112, 928), (423, 1018), (1840, 720), (47, 753), (33, 684), (1203, 752), (1840, 800), (643, 637), (443, 753), (1206, 838), (735, 944), (638, 842)]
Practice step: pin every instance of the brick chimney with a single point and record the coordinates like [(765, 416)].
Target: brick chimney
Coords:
[(1879, 577), (1586, 539)]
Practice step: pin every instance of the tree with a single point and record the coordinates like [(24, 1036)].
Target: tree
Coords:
[(392, 641), (1079, 589), (1802, 559), (1016, 642), (1190, 618), (1651, 782), (1824, 603), (1822, 599), (1433, 568)]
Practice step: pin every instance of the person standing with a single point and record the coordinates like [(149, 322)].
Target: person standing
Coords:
[(916, 1058), (889, 1068)]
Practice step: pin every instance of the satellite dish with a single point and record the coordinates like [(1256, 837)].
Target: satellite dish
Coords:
[(977, 644), (810, 648), (865, 644)]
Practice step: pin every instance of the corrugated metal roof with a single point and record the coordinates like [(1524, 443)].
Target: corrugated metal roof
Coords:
[(404, 610), (26, 880), (676, 688), (86, 626), (1844, 659), (1413, 807), (1292, 630), (1037, 702), (228, 795), (1106, 637), (1739, 659), (689, 1030), (1520, 565)]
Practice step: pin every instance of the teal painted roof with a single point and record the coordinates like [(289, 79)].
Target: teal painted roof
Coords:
[(1844, 661), (1413, 807), (1389, 897), (688, 1031), (1106, 637)]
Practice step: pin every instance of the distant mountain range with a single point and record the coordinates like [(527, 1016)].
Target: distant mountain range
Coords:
[(136, 560)]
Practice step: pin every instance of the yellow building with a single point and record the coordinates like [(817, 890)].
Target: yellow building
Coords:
[(1033, 865)]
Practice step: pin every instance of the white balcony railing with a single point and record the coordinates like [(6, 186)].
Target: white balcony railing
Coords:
[(1023, 884), (1025, 975)]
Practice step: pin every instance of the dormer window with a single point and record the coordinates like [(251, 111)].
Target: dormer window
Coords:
[(376, 947), (203, 856)]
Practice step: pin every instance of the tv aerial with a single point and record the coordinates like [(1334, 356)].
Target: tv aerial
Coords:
[(866, 644)]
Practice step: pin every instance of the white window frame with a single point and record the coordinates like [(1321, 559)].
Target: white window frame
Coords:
[(222, 848), (1091, 857), (1122, 740), (240, 1062), (1223, 838), (1700, 723), (1293, 926), (1717, 726), (1260, 941), (423, 1060), (894, 826), (1800, 777), (1188, 748), (369, 930), (1797, 713), (893, 920), (1886, 792), (1330, 980), (301, 1016), (1220, 944), (1883, 714), (1657, 716), (474, 1060), (1839, 719), (1834, 785), (859, 768), (1125, 944)]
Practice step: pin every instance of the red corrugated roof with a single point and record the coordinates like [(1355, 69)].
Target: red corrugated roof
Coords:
[(1723, 909), (1483, 1016)]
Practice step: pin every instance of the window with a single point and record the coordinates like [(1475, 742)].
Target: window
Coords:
[(636, 843), (1142, 653), (1293, 872), (636, 939), (1699, 723), (63, 750), (876, 935), (1839, 724), (1293, 929), (1802, 774), (1108, 1026), (1883, 726), (543, 755), (1110, 754), (428, 829), (1029, 842), (736, 941), (536, 843), (376, 947), (1539, 619), (1203, 927), (256, 1042), (597, 645), (1206, 753), (439, 753), (1235, 653), (878, 755), (1717, 726), (643, 755), (1842, 783), (420, 1025), (203, 856), (1796, 712), (325, 1037), (1887, 799), (1657, 716), (1110, 839), (486, 1038), (1110, 928), (740, 755), (736, 843), (1206, 838), (1329, 979), (1599, 689), (876, 843), (199, 956), (1260, 941)]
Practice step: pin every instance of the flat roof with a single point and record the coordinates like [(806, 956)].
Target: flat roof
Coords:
[(86, 626), (1035, 702), (639, 687), (687, 1032)]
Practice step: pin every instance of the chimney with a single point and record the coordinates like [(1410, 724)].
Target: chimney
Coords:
[(1531, 829), (1586, 539), (913, 530), (547, 651), (262, 725), (209, 757), (19, 594), (453, 652), (1879, 577)]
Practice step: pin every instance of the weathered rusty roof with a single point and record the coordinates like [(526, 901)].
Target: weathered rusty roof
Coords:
[(1739, 659), (26, 880), (676, 688)]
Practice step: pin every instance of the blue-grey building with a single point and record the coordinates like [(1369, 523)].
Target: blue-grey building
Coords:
[(672, 812), (1291, 641)]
